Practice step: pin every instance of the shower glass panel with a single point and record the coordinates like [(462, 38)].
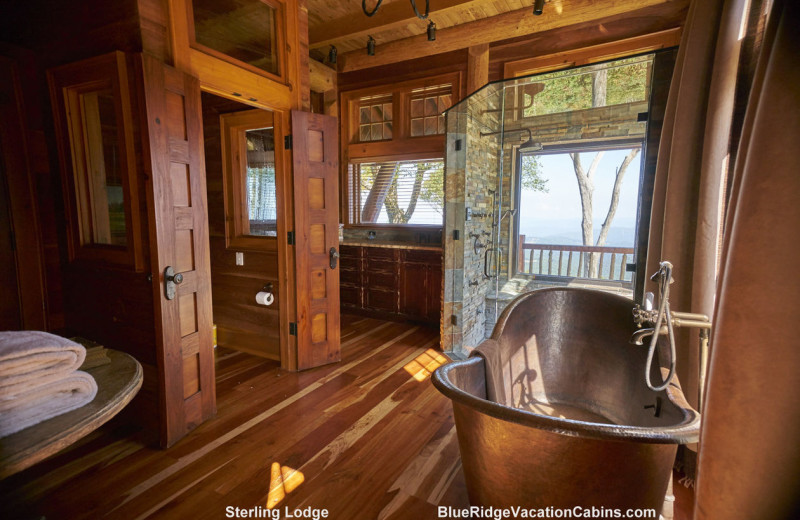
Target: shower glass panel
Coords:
[(542, 189)]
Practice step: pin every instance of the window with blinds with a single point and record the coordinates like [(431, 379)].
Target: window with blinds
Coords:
[(396, 192)]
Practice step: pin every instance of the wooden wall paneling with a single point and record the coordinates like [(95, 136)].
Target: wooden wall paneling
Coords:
[(183, 324), (24, 250), (605, 30), (594, 53), (154, 24), (477, 67), (315, 149), (63, 32), (303, 60), (519, 22)]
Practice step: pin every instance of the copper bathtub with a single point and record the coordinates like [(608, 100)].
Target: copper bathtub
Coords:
[(553, 410)]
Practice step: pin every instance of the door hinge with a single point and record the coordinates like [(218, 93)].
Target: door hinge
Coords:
[(290, 238), (453, 319), (287, 142), (630, 268), (293, 329), (456, 234)]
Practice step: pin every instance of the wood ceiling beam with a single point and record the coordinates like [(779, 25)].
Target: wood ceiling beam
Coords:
[(321, 77), (389, 16), (557, 14)]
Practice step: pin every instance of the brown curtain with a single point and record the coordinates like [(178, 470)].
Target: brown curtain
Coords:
[(692, 161), (749, 464)]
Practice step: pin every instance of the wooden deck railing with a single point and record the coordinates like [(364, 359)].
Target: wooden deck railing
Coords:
[(573, 261)]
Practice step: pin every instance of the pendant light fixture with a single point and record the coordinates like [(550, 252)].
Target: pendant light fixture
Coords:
[(371, 46), (431, 31), (538, 6), (332, 54)]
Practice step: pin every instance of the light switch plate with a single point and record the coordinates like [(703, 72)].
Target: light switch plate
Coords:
[(239, 258)]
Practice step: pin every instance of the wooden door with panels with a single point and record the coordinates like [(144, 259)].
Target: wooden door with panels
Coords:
[(179, 248), (315, 152)]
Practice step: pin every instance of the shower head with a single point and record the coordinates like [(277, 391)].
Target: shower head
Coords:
[(530, 144)]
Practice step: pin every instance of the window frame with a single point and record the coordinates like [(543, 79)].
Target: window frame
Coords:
[(401, 147), (600, 145), (280, 41), (350, 211), (233, 127)]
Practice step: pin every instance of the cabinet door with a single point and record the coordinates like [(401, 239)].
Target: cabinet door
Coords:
[(434, 293), (414, 290)]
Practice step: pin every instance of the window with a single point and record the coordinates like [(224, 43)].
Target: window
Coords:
[(92, 111), (100, 186), (375, 118), (620, 82), (251, 183), (555, 238), (247, 31), (427, 107), (393, 142), (397, 192), (260, 170)]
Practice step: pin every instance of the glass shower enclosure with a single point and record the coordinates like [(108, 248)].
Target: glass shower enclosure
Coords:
[(534, 196)]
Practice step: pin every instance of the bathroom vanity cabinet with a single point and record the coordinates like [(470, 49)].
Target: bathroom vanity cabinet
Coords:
[(392, 283)]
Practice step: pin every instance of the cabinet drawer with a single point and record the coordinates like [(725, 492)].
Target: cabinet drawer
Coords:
[(380, 264), (378, 253), (423, 257), (381, 300), (350, 295), (381, 279), (351, 276)]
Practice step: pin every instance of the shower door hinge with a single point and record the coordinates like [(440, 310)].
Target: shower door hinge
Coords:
[(293, 329), (290, 238), (642, 116), (455, 234), (630, 268), (287, 142), (453, 319), (458, 144)]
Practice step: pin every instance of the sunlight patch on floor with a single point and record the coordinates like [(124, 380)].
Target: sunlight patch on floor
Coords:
[(283, 480), (422, 366)]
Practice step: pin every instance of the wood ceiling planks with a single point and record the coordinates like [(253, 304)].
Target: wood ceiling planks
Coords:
[(509, 24)]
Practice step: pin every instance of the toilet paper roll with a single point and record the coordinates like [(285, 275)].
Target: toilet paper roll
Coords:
[(265, 298)]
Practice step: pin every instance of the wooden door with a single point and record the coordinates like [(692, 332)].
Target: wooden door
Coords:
[(179, 240), (316, 204)]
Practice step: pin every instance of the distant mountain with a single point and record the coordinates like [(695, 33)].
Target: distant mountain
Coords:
[(569, 233)]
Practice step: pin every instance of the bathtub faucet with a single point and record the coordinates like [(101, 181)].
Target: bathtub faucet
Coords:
[(664, 321)]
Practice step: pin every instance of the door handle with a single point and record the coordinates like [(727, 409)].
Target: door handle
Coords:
[(334, 257), (171, 281)]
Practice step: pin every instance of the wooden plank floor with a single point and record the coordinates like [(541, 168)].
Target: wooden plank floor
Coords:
[(370, 435)]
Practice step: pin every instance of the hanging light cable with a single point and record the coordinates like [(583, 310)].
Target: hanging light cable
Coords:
[(413, 6)]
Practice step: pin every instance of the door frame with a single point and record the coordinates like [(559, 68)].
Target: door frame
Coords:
[(21, 191)]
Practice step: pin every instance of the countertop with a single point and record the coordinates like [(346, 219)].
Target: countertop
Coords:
[(392, 245)]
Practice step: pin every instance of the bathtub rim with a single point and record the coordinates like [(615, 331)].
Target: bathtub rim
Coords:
[(686, 431)]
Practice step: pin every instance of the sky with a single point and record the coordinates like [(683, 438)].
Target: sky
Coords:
[(558, 211)]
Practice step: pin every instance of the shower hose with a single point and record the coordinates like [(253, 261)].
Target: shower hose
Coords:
[(664, 275)]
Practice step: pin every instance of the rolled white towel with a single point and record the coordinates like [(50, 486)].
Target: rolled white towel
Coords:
[(42, 402), (30, 358)]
